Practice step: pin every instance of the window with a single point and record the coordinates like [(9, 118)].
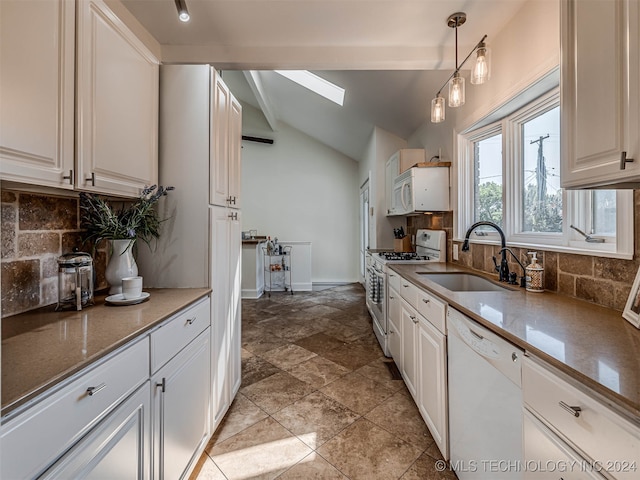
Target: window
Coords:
[(487, 163), (509, 174), (541, 192)]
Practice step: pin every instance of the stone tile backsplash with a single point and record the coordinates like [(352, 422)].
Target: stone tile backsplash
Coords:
[(36, 229), (603, 281)]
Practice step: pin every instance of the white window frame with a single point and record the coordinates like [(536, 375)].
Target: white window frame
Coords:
[(576, 203)]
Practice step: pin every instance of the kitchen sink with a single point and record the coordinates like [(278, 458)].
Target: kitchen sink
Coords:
[(463, 282)]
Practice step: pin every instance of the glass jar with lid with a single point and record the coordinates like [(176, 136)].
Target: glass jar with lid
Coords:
[(75, 281)]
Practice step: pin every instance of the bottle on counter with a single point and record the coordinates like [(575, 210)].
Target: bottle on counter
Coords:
[(534, 273)]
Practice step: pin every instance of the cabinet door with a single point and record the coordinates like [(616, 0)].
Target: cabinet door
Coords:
[(117, 105), (235, 152), (409, 326), (549, 458), (600, 92), (234, 327), (219, 160), (432, 384), (394, 333), (391, 172), (220, 302), (37, 91), (181, 409), (118, 447)]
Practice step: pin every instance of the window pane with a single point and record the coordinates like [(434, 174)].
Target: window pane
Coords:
[(604, 212), (542, 196), (487, 158)]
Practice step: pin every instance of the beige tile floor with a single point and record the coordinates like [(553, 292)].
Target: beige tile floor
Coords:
[(317, 400)]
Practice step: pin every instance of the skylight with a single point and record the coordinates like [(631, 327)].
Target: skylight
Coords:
[(316, 84)]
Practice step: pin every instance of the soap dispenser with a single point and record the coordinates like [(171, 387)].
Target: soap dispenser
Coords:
[(534, 273)]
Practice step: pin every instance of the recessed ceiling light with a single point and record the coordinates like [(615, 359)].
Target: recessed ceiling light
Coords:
[(316, 84)]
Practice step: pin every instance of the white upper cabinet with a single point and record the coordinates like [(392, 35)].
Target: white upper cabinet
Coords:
[(117, 105), (226, 135), (37, 92), (600, 90), (235, 152)]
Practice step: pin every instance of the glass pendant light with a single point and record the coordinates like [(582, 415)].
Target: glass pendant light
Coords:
[(456, 90), (481, 69), (480, 73), (437, 109)]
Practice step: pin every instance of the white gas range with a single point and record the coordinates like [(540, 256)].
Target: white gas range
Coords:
[(431, 246)]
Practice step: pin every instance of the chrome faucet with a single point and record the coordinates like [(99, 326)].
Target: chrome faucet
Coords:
[(503, 269)]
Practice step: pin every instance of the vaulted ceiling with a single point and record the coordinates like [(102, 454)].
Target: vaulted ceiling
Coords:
[(391, 56)]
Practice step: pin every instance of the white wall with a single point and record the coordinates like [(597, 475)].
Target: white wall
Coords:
[(380, 147), (301, 190)]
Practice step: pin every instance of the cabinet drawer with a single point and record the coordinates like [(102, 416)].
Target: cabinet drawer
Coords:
[(594, 430), (409, 292), (36, 438), (177, 332), (394, 280), (433, 309)]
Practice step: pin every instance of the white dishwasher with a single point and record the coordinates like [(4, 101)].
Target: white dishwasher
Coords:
[(485, 402)]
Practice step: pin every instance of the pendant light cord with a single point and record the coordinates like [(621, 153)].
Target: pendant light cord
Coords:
[(463, 62)]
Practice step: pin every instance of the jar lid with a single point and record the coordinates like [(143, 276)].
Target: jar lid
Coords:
[(75, 259)]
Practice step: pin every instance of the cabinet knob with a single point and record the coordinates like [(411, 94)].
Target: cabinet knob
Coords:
[(191, 320), (91, 391), (573, 410), (69, 177), (91, 179), (624, 160), (406, 285), (426, 300), (391, 297)]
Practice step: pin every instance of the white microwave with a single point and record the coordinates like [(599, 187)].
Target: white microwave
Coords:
[(421, 189)]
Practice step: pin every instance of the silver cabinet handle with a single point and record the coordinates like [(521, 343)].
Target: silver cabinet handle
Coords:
[(91, 391), (514, 357), (391, 275), (191, 320), (69, 177), (162, 384), (391, 332), (91, 179), (405, 285), (413, 319), (426, 300), (624, 160), (575, 411)]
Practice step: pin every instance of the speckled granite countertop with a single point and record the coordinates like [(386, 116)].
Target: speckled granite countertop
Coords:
[(592, 344), (43, 347)]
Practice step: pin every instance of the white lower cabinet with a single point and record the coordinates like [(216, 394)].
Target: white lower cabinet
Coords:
[(418, 346), (226, 272), (395, 334), (118, 447), (34, 439), (409, 326), (432, 384), (547, 457), (576, 423), (110, 422), (181, 410)]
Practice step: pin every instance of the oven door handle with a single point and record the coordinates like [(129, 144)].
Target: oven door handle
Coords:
[(377, 273)]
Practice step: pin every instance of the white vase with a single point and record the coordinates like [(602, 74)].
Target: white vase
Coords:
[(121, 264)]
